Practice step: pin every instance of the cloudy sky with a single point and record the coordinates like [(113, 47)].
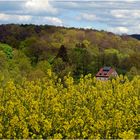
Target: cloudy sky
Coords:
[(118, 16)]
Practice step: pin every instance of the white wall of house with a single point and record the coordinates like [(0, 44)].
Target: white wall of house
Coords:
[(102, 78)]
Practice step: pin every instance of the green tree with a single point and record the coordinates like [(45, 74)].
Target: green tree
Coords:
[(58, 65), (62, 53), (3, 61), (81, 59), (22, 62), (132, 73), (44, 66), (7, 50)]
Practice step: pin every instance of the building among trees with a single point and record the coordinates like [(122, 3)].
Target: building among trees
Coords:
[(105, 73)]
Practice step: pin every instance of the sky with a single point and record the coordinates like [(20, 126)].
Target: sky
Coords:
[(117, 16)]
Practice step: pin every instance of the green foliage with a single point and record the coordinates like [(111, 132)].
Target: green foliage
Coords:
[(86, 43), (132, 73), (3, 60), (44, 66), (82, 51), (22, 62), (7, 50), (58, 65), (62, 53), (81, 59)]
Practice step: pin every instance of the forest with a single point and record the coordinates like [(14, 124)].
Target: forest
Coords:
[(48, 88), (29, 50)]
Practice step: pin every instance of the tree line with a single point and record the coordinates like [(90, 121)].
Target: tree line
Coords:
[(30, 50)]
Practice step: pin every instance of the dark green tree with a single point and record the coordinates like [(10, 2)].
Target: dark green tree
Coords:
[(62, 53)]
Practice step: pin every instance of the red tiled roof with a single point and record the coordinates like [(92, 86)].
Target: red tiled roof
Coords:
[(103, 73)]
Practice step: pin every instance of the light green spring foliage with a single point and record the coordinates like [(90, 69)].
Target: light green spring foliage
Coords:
[(91, 109), (7, 50)]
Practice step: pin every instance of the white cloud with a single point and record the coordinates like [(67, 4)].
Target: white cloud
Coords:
[(119, 30), (117, 14), (30, 19), (126, 13), (40, 6), (20, 18), (88, 27), (86, 16), (53, 21)]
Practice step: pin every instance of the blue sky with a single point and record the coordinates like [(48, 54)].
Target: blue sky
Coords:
[(118, 16)]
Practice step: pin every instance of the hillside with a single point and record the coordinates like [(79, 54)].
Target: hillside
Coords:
[(137, 36), (48, 89), (78, 51)]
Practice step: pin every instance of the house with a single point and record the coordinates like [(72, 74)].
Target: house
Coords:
[(105, 73)]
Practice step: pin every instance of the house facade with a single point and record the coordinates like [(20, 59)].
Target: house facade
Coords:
[(105, 73)]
